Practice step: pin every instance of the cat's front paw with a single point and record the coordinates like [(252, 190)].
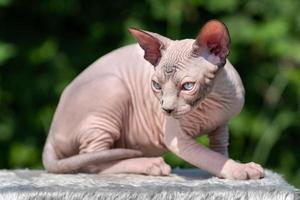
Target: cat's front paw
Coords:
[(239, 171), (156, 167)]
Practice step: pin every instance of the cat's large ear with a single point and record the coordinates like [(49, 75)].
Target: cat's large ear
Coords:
[(151, 43), (213, 42)]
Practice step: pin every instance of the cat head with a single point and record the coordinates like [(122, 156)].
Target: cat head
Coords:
[(185, 70)]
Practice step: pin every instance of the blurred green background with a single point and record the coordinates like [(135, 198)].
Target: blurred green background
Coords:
[(44, 44)]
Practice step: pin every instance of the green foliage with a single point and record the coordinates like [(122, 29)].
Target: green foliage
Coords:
[(45, 44)]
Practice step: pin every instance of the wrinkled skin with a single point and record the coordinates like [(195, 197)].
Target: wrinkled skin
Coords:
[(124, 111)]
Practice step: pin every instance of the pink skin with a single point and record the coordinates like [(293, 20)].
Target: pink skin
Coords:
[(124, 111)]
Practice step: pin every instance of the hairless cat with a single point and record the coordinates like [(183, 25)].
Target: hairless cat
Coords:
[(137, 102)]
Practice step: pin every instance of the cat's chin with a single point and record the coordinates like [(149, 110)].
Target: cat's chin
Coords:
[(177, 116), (181, 113)]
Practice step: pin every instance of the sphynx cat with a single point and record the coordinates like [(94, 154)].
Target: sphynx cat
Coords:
[(137, 102)]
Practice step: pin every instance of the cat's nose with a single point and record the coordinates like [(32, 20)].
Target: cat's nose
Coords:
[(169, 111)]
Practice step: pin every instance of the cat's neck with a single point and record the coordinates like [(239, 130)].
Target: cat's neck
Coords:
[(228, 88)]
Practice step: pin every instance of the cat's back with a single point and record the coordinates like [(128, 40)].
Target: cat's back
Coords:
[(120, 74), (129, 66), (125, 64), (93, 97)]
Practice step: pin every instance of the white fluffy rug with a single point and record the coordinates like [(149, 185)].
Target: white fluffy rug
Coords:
[(182, 184)]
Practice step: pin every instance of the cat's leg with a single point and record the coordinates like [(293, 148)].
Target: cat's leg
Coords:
[(218, 140), (154, 166), (188, 149), (97, 140)]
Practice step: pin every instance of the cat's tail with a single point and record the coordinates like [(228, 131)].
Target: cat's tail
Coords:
[(74, 163)]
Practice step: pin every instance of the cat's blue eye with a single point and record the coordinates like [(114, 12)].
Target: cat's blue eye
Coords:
[(188, 86), (156, 85)]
